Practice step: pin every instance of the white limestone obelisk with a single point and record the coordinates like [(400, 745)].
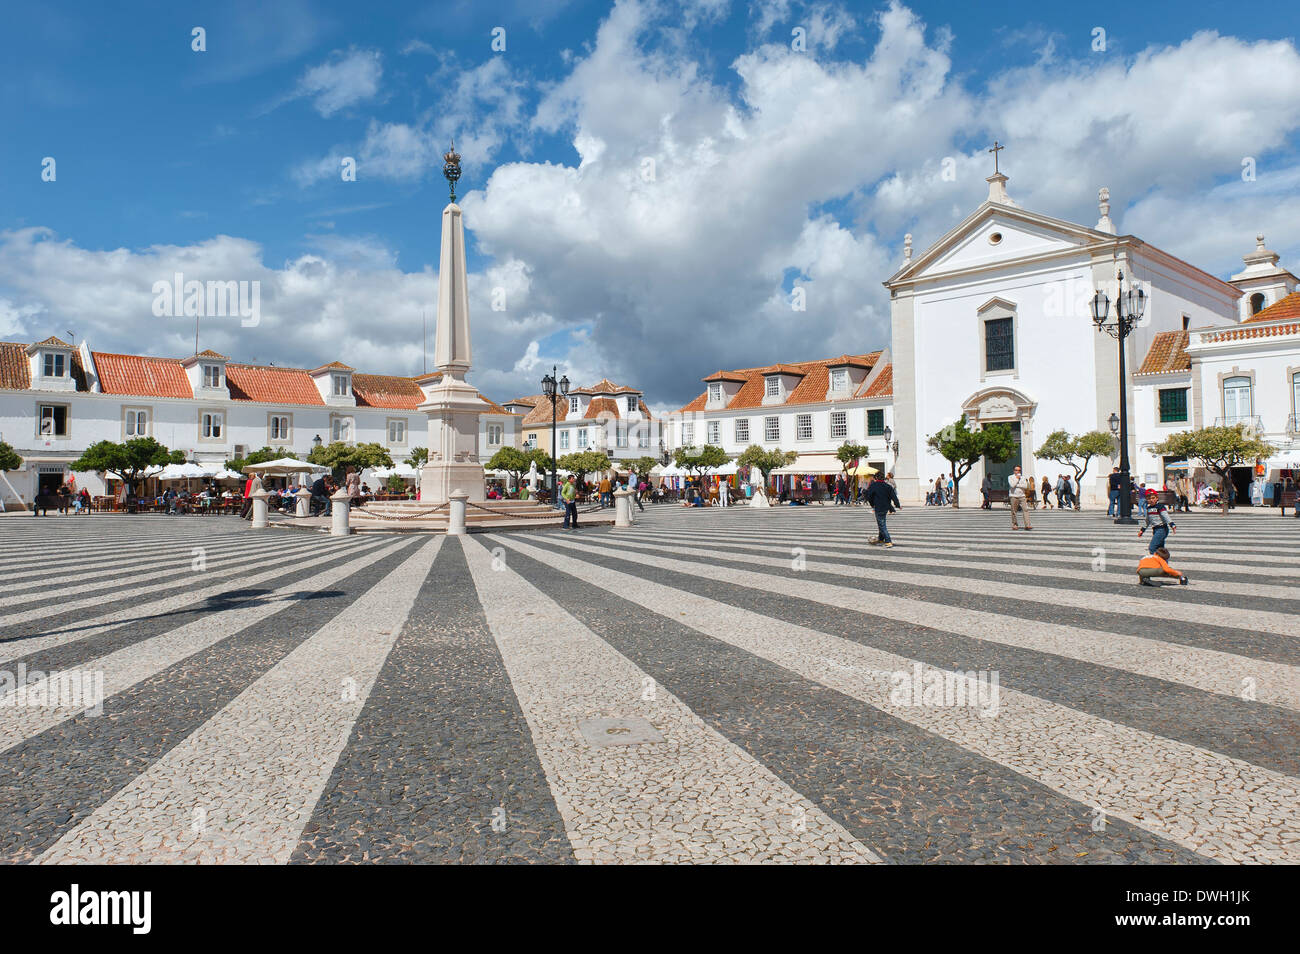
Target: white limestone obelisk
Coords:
[(453, 406)]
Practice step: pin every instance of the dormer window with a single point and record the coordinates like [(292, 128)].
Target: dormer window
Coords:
[(840, 379), (773, 388), (212, 375), (715, 393), (55, 364), (339, 385), (632, 405), (573, 405)]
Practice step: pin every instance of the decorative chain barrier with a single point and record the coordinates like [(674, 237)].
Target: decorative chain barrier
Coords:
[(401, 514), (530, 516)]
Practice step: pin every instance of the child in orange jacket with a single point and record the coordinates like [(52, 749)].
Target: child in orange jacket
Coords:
[(1157, 566)]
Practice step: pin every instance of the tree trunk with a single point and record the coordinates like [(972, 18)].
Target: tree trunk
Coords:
[(1223, 493), (1078, 494), (956, 489)]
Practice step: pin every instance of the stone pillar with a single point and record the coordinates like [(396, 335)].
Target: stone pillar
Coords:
[(259, 509), (623, 508), (304, 501), (456, 513), (340, 511)]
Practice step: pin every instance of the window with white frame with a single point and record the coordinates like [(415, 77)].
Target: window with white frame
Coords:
[(564, 439), (339, 384), (632, 404), (573, 405), (279, 426), (771, 429), (212, 375), (715, 432), (803, 427), (1295, 394), (840, 379), (340, 428), (715, 392), (620, 435), (582, 438), (136, 423), (55, 364), (495, 434), (839, 423), (212, 425), (772, 387), (52, 420), (688, 434), (396, 430), (643, 436), (742, 430), (1237, 400)]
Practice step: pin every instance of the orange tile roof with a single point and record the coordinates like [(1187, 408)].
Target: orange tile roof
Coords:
[(385, 390), (15, 371), (332, 366), (1283, 308), (271, 385), (432, 378), (883, 386), (141, 376), (725, 376), (601, 405), (52, 341), (810, 390), (532, 400), (1260, 331), (605, 386), (209, 353), (1167, 354), (853, 359), (541, 413)]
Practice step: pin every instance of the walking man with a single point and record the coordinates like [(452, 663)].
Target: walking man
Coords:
[(569, 494), (1019, 484), (1113, 483), (986, 485), (882, 499)]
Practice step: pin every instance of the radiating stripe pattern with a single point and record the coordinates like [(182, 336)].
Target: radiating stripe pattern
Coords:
[(743, 686)]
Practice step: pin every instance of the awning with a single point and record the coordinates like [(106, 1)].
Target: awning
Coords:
[(813, 464)]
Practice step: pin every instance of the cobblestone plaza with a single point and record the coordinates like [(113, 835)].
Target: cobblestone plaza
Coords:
[(720, 685)]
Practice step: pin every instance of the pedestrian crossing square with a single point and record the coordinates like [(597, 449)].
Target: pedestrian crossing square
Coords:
[(711, 685)]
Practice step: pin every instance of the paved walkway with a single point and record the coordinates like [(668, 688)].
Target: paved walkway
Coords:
[(711, 685)]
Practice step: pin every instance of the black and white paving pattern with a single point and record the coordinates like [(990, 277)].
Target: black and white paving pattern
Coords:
[(722, 685)]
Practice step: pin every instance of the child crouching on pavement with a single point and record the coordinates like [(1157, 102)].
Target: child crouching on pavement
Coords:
[(1156, 566)]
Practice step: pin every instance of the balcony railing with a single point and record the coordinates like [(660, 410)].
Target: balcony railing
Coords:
[(1252, 422), (1293, 426)]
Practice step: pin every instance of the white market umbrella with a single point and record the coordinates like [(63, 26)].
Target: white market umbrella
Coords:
[(285, 467)]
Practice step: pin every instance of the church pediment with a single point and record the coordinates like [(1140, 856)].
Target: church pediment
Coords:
[(996, 235)]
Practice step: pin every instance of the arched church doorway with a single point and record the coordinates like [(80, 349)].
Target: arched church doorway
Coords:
[(1014, 410)]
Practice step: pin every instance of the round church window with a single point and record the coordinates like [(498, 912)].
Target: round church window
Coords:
[(995, 238)]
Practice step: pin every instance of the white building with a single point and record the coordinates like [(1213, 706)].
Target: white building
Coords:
[(56, 400), (810, 407), (993, 322), (604, 417)]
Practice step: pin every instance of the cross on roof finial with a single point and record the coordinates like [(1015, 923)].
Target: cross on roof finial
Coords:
[(997, 147)]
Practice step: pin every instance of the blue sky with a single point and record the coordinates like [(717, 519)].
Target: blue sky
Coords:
[(771, 164)]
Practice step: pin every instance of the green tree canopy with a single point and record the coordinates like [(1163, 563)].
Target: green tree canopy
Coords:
[(765, 460), (513, 461), (697, 460), (418, 457), (1064, 448), (962, 447), (262, 456), (9, 458), (848, 453), (339, 456), (642, 466), (1217, 448), (129, 460), (583, 463)]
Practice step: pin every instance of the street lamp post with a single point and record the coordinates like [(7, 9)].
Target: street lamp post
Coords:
[(1129, 308), (554, 390)]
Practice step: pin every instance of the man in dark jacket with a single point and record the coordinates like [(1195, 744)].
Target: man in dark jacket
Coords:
[(320, 494), (882, 499)]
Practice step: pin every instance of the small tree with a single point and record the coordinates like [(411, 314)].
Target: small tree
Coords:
[(583, 463), (338, 456), (130, 461), (9, 460), (848, 453), (765, 461), (696, 460), (642, 467), (396, 485), (1219, 449), (1064, 448), (418, 457), (513, 461), (962, 447)]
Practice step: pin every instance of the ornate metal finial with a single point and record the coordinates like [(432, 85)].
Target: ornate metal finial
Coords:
[(451, 168)]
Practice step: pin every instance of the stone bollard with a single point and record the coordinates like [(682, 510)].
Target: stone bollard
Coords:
[(259, 510), (340, 510), (456, 514), (304, 501), (623, 508)]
